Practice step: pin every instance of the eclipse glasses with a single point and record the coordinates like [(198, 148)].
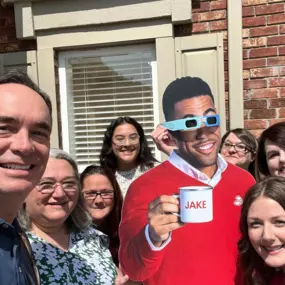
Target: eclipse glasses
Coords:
[(192, 123)]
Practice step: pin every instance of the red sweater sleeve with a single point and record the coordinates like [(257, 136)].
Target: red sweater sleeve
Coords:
[(136, 257)]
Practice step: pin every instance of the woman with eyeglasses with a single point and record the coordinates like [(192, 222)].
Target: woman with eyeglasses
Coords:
[(239, 146), (103, 200), (271, 152), (67, 249), (125, 151)]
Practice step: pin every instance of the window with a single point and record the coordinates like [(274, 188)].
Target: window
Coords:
[(99, 86)]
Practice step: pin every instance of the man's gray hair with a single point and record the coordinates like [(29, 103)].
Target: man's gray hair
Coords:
[(79, 217)]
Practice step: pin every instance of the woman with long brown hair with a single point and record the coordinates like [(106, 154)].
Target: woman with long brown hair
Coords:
[(262, 225), (104, 200)]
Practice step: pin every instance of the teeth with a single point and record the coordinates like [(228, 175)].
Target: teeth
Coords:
[(206, 146), (274, 248), (16, 166)]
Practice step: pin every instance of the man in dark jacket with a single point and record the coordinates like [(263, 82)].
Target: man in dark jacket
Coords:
[(25, 127)]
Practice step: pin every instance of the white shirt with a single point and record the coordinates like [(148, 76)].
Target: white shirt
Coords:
[(178, 162)]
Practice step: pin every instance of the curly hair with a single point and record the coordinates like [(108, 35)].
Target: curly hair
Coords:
[(108, 159), (255, 271)]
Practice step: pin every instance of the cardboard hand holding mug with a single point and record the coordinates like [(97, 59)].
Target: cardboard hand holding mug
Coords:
[(196, 204)]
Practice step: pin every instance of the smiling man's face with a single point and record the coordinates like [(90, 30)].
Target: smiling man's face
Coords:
[(198, 147), (25, 127)]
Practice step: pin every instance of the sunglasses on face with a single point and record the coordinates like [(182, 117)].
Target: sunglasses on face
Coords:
[(193, 123)]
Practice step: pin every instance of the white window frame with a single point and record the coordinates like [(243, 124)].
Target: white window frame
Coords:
[(108, 51)]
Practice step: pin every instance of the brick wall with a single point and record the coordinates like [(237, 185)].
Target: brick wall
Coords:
[(263, 52), (264, 63), (8, 40)]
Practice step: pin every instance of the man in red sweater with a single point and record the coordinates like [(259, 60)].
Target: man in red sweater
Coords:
[(156, 247)]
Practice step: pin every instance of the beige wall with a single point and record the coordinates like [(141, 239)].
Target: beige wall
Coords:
[(65, 24)]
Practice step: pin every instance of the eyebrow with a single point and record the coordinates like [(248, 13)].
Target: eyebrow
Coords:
[(11, 120), (204, 114)]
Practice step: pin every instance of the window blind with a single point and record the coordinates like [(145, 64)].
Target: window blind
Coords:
[(102, 88)]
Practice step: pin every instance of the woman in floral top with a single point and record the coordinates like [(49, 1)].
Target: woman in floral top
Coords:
[(66, 249)]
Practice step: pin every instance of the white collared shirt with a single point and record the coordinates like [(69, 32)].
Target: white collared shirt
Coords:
[(178, 162)]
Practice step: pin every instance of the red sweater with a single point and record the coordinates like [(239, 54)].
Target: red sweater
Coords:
[(198, 254)]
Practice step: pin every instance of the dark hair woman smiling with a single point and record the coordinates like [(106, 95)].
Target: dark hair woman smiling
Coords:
[(125, 151)]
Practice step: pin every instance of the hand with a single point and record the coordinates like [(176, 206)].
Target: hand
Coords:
[(161, 221), (163, 140), (121, 278)]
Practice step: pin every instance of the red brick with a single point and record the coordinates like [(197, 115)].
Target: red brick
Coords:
[(276, 40), (246, 114), (282, 113), (275, 121), (282, 29), (245, 53), (217, 5), (255, 124), (255, 104), (275, 1), (264, 72), (263, 52), (282, 92), (218, 25), (263, 31), (195, 17), (269, 9), (252, 63), (200, 27), (281, 50), (276, 82), (263, 114), (255, 83), (212, 15), (248, 11), (264, 93), (277, 103), (281, 71), (276, 19), (280, 60), (254, 21), (253, 2), (254, 42), (200, 6)]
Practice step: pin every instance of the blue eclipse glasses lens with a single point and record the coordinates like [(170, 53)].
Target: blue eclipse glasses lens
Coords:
[(192, 123)]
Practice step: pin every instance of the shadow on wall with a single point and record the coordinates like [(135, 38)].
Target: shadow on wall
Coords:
[(59, 7)]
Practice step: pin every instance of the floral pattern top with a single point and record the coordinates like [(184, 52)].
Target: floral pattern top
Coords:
[(87, 261)]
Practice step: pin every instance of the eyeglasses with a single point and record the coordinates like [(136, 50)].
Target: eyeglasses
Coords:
[(92, 195), (48, 187), (192, 123), (239, 147), (121, 140)]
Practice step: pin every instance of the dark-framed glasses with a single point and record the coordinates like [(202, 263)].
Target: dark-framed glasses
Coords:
[(239, 147), (122, 140), (192, 123), (92, 195), (48, 187)]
